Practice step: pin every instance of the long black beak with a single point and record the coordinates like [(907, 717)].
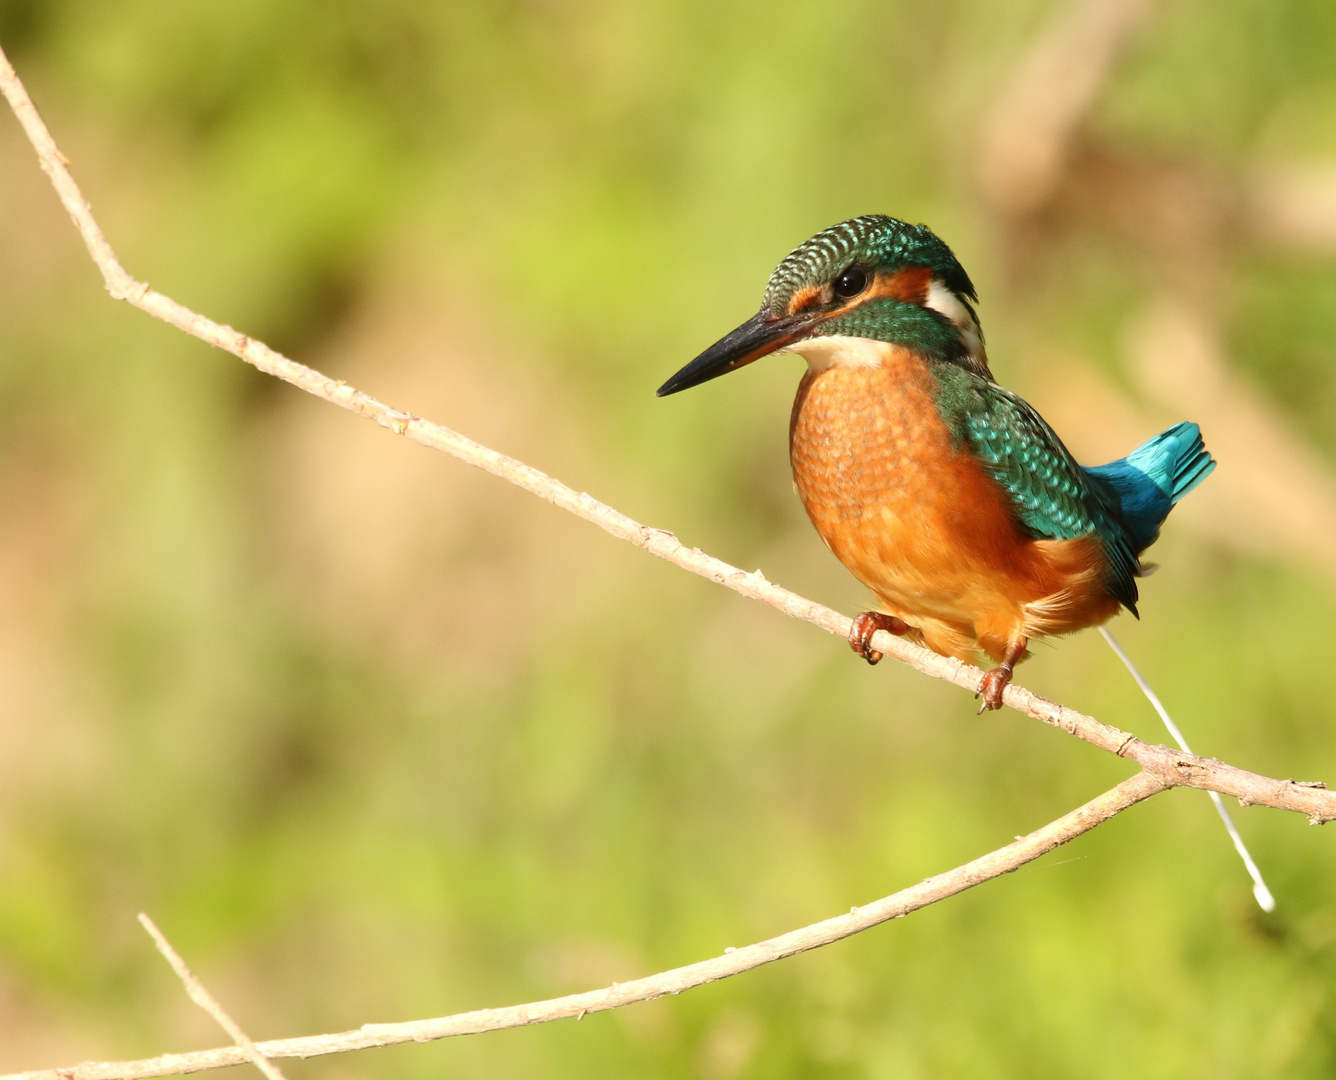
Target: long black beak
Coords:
[(759, 336)]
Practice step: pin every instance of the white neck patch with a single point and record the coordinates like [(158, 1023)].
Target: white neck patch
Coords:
[(942, 300), (837, 350)]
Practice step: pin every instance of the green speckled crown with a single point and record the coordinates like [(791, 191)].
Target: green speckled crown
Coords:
[(874, 241)]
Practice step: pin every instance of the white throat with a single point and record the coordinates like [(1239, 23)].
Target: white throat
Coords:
[(836, 350)]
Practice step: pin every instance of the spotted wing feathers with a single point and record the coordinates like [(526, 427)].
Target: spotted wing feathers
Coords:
[(1053, 496)]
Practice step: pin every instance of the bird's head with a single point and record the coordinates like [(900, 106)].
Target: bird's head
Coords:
[(872, 277)]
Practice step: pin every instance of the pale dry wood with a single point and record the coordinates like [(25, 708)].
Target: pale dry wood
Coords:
[(732, 962), (200, 995), (1161, 767)]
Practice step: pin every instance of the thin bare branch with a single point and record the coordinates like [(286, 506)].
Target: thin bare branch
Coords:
[(1310, 799), (1261, 891), (732, 962), (206, 1001)]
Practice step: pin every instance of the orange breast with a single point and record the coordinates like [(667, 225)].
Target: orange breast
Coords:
[(917, 519)]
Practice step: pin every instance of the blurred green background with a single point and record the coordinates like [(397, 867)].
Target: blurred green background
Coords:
[(374, 737)]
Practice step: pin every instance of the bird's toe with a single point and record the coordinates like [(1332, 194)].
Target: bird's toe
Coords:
[(867, 624), (992, 686)]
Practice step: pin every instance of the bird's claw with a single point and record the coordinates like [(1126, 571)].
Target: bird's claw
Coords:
[(867, 624), (991, 687)]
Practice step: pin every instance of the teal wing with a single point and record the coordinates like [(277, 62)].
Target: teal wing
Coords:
[(1053, 496)]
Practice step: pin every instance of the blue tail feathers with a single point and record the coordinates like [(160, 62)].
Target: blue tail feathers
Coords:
[(1153, 477)]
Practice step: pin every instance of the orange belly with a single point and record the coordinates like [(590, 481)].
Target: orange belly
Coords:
[(916, 518)]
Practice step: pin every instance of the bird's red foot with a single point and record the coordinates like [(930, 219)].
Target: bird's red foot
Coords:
[(869, 623), (994, 682)]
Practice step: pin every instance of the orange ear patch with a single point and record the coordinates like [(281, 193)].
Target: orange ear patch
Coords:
[(908, 285)]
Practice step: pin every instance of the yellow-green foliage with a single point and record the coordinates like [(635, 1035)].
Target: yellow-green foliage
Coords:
[(374, 738)]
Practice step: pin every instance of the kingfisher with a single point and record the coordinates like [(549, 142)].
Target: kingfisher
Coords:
[(944, 493)]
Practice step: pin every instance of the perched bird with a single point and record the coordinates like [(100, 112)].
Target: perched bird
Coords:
[(945, 494)]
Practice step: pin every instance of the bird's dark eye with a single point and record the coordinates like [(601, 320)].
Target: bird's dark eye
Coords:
[(849, 284)]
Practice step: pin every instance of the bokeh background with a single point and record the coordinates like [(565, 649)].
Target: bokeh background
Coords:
[(374, 737)]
